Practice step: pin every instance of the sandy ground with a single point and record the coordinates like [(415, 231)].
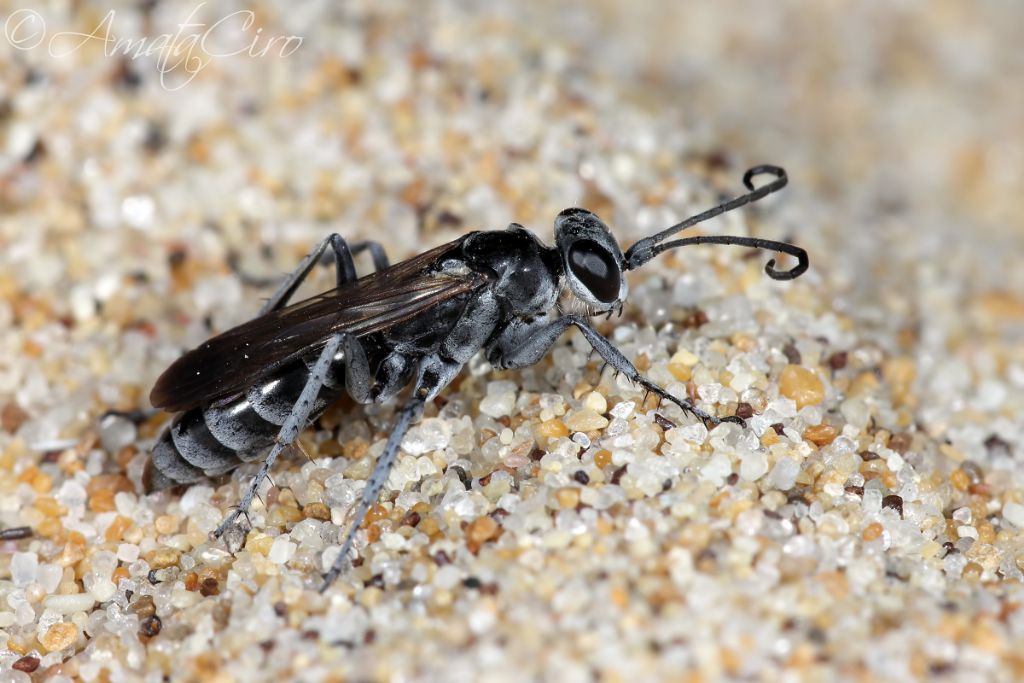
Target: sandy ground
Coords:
[(552, 523)]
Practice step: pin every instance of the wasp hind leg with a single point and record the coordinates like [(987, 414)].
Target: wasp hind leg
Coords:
[(344, 268), (341, 253), (290, 429), (358, 383), (377, 253)]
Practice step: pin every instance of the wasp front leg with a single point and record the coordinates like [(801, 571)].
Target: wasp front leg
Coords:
[(525, 342)]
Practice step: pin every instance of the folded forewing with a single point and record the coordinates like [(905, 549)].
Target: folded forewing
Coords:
[(234, 360)]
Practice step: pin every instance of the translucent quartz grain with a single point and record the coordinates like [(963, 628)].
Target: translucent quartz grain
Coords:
[(70, 603), (540, 523), (753, 465), (1014, 512), (596, 402), (783, 474), (585, 420), (24, 568), (281, 550)]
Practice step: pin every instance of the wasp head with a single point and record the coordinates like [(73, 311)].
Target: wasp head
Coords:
[(591, 259)]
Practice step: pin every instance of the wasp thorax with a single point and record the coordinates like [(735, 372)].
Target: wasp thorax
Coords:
[(592, 259)]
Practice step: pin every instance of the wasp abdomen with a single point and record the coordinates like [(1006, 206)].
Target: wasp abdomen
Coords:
[(212, 440)]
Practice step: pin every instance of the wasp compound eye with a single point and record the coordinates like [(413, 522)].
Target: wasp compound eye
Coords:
[(596, 269)]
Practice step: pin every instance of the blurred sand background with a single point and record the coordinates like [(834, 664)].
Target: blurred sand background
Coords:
[(900, 124)]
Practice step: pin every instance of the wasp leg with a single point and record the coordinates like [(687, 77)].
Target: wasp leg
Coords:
[(291, 428), (615, 359), (358, 378), (526, 343), (392, 374), (377, 253), (137, 416), (345, 269), (435, 373), (376, 482)]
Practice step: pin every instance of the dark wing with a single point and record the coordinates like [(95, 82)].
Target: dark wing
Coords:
[(234, 360)]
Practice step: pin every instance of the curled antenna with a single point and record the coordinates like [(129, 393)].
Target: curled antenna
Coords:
[(649, 247)]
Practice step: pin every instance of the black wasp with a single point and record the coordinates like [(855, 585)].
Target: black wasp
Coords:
[(259, 384)]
